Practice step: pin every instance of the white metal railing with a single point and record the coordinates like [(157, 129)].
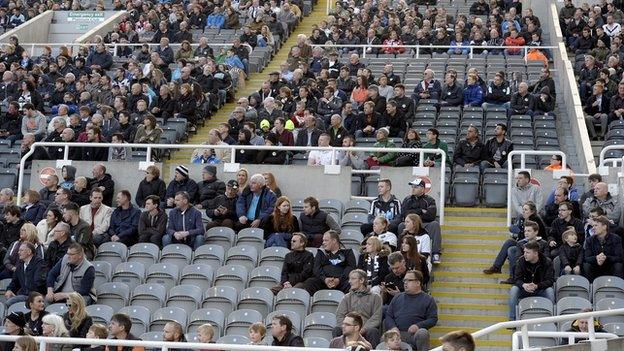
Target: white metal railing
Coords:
[(516, 338), (613, 161), (525, 333), (418, 48), (510, 170), (111, 46), (233, 148)]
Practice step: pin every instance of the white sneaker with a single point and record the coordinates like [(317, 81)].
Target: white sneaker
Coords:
[(436, 259)]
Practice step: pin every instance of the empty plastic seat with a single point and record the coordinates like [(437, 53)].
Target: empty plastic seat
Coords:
[(177, 254), (57, 308), (535, 307), (130, 273), (319, 324), (167, 314), (607, 287), (326, 301), (103, 272), (571, 305), (220, 236), (466, 190), (112, 252), (572, 285), (293, 299), (542, 341), (199, 275), (150, 296), (152, 336), (243, 255), (293, 316), (212, 255), (332, 205), (252, 237), (265, 277), (145, 253), (316, 342), (187, 297), (223, 298), (215, 317), (353, 221), (357, 206), (115, 295), (610, 304), (258, 299), (351, 239), (231, 275), (140, 317), (17, 307), (234, 340), (100, 313), (615, 328), (273, 256), (163, 273)]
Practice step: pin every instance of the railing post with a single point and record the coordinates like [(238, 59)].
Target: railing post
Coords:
[(442, 185), (509, 180), (233, 155), (591, 329), (471, 52), (525, 336), (421, 159), (148, 156), (66, 152), (418, 51), (333, 158), (42, 345)]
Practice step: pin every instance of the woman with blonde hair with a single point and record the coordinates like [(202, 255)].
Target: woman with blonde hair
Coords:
[(28, 233), (374, 261), (280, 225), (76, 319), (53, 326), (271, 183), (242, 177)]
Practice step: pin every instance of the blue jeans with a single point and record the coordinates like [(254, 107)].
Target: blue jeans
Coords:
[(486, 105), (197, 241), (512, 254), (516, 294), (278, 239), (499, 261)]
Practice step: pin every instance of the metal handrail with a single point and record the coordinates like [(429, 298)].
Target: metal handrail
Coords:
[(233, 149), (571, 336), (604, 161), (524, 323), (510, 169)]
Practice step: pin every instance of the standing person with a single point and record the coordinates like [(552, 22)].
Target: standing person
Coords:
[(413, 312), (351, 333), (153, 222)]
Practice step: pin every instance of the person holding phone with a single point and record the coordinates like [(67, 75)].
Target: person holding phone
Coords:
[(222, 211), (392, 284)]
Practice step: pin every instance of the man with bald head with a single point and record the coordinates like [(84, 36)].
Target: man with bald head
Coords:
[(104, 182), (173, 332), (40, 153), (602, 198), (521, 101)]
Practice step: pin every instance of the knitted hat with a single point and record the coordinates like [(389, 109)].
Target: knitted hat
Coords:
[(210, 169), (17, 318), (265, 124), (289, 125), (183, 170), (232, 183), (384, 130)]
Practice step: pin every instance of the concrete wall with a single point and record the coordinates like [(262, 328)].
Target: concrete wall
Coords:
[(103, 28), (71, 26), (612, 344), (34, 31)]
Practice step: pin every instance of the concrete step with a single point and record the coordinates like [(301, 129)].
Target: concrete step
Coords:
[(477, 321), (476, 228), (476, 212), (469, 277), (475, 221), (482, 258), (471, 297), (489, 288), (476, 246), (461, 266), (473, 310)]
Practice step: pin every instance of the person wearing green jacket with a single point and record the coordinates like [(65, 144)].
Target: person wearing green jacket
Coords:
[(383, 158), (433, 142)]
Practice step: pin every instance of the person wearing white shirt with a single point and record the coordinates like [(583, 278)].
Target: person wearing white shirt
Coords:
[(321, 157), (612, 28)]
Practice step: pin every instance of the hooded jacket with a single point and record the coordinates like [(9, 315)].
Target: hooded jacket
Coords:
[(521, 195), (543, 106), (367, 304), (540, 273)]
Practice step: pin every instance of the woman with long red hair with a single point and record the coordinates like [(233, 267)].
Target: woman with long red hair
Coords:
[(280, 225)]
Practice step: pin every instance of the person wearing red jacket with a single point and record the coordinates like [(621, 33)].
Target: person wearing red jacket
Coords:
[(514, 40)]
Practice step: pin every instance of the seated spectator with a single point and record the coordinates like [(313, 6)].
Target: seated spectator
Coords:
[(383, 142), (321, 157), (298, 264), (223, 209), (413, 226), (172, 332), (374, 262), (355, 159), (545, 80), (81, 193), (473, 93), (497, 149), (28, 233), (97, 331), (458, 340), (514, 39), (394, 120), (14, 324), (386, 205), (148, 131), (39, 153), (281, 330), (271, 183), (393, 45), (119, 329), (523, 192), (316, 222), (69, 177), (273, 157), (603, 251), (180, 182), (380, 230), (61, 198), (451, 93), (255, 203), (414, 260), (616, 105), (29, 275), (498, 93), (77, 320), (392, 341), (185, 224), (571, 253), (280, 225), (522, 101), (47, 193), (80, 230), (54, 326), (533, 276), (563, 223), (33, 122), (286, 137), (368, 122), (469, 151), (332, 266), (351, 330), (209, 188), (434, 142), (602, 198), (413, 312), (257, 332), (33, 210), (104, 181), (73, 273), (429, 88), (61, 241), (593, 179), (152, 222), (551, 210), (544, 103), (581, 326), (597, 112), (36, 305), (96, 214), (329, 105), (124, 222), (205, 333)]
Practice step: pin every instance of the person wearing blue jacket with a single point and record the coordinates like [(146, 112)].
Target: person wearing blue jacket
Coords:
[(459, 46), (603, 251), (232, 60), (185, 224), (100, 58), (216, 19), (256, 203), (473, 93), (124, 222)]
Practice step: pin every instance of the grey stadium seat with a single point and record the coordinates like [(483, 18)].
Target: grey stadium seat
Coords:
[(266, 277), (534, 307), (243, 255), (113, 253), (251, 236), (187, 297), (234, 340), (571, 305), (273, 256), (615, 328), (607, 287), (332, 205), (220, 236), (115, 295), (293, 299), (352, 239), (495, 188), (177, 254), (223, 298), (152, 336), (150, 296), (163, 273), (167, 314), (316, 342), (239, 321), (212, 255), (214, 316), (145, 253), (543, 342), (130, 273), (572, 285), (357, 206), (319, 324), (326, 301), (466, 189), (231, 275), (103, 272), (258, 299), (199, 275), (57, 308), (140, 317), (17, 307), (100, 313), (610, 304)]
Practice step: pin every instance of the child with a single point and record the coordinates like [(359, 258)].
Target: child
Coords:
[(97, 331), (257, 331), (392, 339), (205, 333), (571, 254)]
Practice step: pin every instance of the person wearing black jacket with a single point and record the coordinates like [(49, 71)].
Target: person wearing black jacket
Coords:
[(597, 111), (497, 93), (571, 253), (93, 153), (332, 266), (209, 188), (10, 227), (150, 185), (223, 209), (368, 122), (271, 157), (30, 275), (298, 264), (103, 180), (452, 94), (164, 106), (245, 156), (469, 151), (522, 101), (533, 276), (544, 103), (281, 329), (186, 104), (11, 123), (497, 149), (404, 103), (153, 222), (561, 224), (545, 80), (603, 251), (394, 119)]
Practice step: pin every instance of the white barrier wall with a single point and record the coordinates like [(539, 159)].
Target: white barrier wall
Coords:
[(34, 31)]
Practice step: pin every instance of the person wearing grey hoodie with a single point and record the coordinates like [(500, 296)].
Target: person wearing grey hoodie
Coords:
[(361, 300), (525, 191)]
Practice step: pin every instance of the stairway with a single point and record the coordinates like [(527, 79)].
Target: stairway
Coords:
[(468, 299), (253, 84)]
